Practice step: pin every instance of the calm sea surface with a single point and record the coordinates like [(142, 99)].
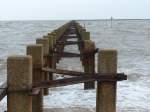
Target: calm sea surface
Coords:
[(130, 37)]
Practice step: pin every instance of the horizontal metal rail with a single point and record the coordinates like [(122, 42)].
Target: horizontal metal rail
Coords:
[(67, 54), (64, 72), (80, 79), (75, 73), (3, 90), (63, 54), (34, 91), (69, 42)]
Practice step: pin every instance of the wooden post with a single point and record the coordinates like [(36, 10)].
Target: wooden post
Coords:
[(45, 43), (89, 61), (53, 34), (52, 62), (84, 36), (19, 80), (106, 91), (36, 51), (54, 55), (52, 42), (55, 58), (50, 57)]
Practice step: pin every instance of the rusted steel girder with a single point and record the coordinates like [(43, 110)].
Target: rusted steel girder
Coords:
[(3, 90), (34, 91), (120, 76), (69, 42), (71, 55), (70, 36), (80, 79)]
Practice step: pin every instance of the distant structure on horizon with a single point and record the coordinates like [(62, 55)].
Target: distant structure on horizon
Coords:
[(111, 20)]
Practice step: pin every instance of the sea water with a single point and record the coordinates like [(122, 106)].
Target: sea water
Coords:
[(131, 38)]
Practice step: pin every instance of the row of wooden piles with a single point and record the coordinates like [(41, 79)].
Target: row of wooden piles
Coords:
[(23, 71)]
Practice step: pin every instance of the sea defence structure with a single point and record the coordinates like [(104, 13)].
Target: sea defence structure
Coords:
[(30, 76)]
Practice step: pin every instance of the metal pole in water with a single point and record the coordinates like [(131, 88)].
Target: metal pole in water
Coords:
[(84, 25), (111, 21)]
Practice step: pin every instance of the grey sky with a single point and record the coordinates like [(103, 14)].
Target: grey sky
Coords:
[(73, 9)]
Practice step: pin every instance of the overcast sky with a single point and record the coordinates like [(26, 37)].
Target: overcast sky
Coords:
[(73, 9)]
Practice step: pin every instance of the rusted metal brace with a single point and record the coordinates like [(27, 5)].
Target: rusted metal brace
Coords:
[(68, 54), (69, 42), (119, 76), (80, 79)]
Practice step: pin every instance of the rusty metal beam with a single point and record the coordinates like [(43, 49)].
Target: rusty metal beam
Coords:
[(120, 76), (70, 36), (3, 90), (65, 54), (64, 72), (79, 79), (68, 54), (34, 91), (62, 82), (69, 42)]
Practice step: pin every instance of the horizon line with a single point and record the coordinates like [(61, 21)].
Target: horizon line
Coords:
[(74, 19)]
